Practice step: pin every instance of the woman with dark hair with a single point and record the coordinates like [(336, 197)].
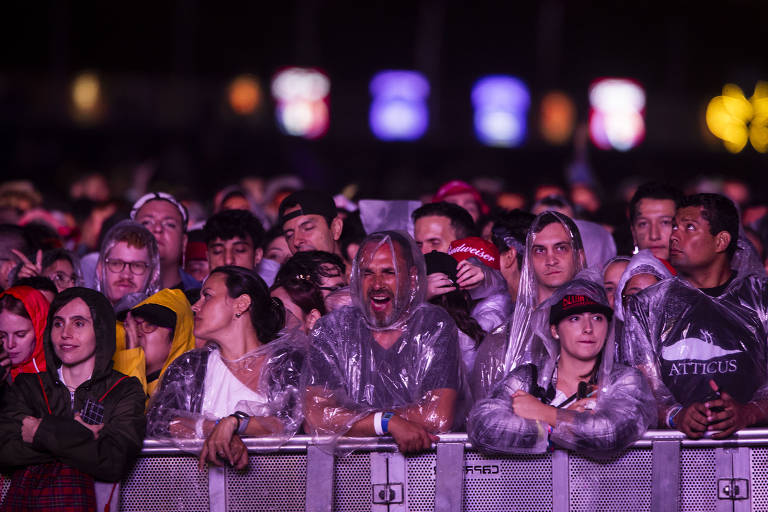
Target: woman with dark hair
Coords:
[(78, 422), (23, 314), (243, 383), (565, 387), (63, 268), (302, 284)]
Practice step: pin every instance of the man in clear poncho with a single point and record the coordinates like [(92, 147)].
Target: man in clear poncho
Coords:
[(553, 255), (610, 406), (388, 364), (701, 337)]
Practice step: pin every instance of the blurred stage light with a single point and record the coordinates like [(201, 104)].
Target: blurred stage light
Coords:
[(244, 95), (737, 120), (617, 109), (86, 97), (302, 101), (558, 116), (399, 107), (501, 106)]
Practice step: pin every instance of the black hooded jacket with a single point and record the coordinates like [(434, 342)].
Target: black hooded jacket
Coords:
[(59, 437)]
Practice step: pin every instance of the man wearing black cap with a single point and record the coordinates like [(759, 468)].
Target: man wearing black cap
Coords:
[(310, 222)]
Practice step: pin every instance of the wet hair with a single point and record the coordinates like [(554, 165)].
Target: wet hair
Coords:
[(228, 224), (41, 283), (548, 218), (653, 190), (299, 276), (458, 304), (461, 220), (721, 214), (267, 315), (13, 305)]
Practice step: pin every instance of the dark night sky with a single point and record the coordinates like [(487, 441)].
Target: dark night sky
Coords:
[(682, 53)]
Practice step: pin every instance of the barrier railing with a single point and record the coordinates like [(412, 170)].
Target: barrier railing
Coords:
[(664, 471)]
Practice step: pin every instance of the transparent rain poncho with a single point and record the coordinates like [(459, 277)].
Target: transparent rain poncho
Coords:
[(381, 215), (623, 409), (351, 375), (122, 231), (644, 262), (503, 347), (200, 387), (681, 338), (599, 245)]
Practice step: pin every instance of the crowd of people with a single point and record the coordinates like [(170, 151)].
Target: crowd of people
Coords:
[(295, 311)]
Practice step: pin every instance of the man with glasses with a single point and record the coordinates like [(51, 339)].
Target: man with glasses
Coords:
[(128, 270)]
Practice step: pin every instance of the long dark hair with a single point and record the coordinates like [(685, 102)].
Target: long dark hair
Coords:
[(267, 315), (458, 304)]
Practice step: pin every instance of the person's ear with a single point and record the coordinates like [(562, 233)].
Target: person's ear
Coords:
[(258, 254), (509, 258), (722, 241), (241, 305), (310, 319), (336, 226), (553, 330), (184, 240)]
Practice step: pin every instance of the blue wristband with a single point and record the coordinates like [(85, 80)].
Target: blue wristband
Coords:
[(385, 421), (672, 415)]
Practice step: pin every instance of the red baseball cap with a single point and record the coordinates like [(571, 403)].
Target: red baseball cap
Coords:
[(460, 187), (475, 246)]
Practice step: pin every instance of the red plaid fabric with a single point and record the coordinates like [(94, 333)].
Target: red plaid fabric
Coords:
[(53, 486)]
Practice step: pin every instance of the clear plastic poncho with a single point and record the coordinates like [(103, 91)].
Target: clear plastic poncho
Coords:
[(200, 387), (599, 245), (681, 338), (644, 262), (119, 232), (381, 215), (504, 345), (351, 375), (624, 405)]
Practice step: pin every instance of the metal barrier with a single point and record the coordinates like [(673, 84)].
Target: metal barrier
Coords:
[(664, 471)]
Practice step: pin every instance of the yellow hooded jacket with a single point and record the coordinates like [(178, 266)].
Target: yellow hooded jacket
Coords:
[(132, 361)]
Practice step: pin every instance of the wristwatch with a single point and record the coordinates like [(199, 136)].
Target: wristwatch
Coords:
[(242, 421)]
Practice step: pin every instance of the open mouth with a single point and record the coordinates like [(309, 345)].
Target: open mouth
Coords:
[(67, 347), (380, 302)]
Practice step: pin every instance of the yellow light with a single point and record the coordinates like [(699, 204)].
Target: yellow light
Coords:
[(738, 120), (244, 94), (557, 117), (758, 129), (86, 96)]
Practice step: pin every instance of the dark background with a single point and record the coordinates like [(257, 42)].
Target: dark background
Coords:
[(165, 67)]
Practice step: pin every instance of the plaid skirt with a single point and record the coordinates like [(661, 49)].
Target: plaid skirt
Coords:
[(53, 486)]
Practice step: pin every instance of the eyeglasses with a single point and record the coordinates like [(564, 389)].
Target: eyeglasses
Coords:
[(138, 268), (145, 327), (63, 278)]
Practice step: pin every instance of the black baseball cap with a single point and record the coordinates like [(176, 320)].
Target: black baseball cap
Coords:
[(310, 202), (576, 304), (156, 314)]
